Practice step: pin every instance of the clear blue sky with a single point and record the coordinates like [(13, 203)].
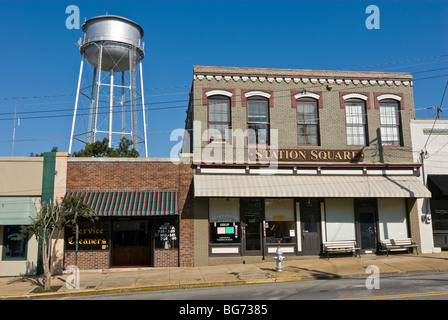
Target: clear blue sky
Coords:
[(39, 57)]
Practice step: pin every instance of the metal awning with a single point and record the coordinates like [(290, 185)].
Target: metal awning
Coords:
[(131, 203), (208, 185), (17, 211), (438, 184)]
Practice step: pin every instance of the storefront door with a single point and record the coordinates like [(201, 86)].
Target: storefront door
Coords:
[(252, 233), (131, 243), (366, 224), (310, 221), (367, 231)]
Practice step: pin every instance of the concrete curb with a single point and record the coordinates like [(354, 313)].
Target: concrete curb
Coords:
[(147, 288)]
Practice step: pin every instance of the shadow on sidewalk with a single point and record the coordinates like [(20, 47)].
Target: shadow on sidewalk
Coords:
[(318, 275), (33, 280)]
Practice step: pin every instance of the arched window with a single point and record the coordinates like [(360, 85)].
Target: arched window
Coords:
[(390, 122), (219, 123), (307, 121), (258, 118), (356, 122)]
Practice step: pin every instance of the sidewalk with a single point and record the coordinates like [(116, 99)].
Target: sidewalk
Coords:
[(123, 280)]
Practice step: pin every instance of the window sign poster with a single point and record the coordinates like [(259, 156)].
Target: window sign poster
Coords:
[(226, 231)]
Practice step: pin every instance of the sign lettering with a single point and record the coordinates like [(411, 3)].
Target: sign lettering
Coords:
[(304, 155)]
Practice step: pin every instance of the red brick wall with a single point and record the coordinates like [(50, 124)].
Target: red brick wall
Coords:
[(137, 174), (166, 258), (88, 259)]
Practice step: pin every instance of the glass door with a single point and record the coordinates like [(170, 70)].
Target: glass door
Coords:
[(366, 224), (252, 232), (367, 230)]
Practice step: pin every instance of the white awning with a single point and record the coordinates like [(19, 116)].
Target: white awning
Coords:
[(17, 211), (208, 185)]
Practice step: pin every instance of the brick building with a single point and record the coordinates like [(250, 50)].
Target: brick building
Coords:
[(295, 158), (145, 213)]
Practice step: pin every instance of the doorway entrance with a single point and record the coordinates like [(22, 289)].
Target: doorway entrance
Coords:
[(252, 233), (252, 218), (131, 243), (366, 224), (311, 226)]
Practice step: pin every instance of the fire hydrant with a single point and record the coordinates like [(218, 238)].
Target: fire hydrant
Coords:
[(278, 259)]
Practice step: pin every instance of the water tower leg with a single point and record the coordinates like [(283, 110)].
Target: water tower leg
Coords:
[(111, 105), (132, 93), (76, 105), (92, 99), (123, 123), (143, 109), (98, 83)]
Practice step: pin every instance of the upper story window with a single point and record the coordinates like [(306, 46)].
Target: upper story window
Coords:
[(355, 121), (390, 122), (307, 122), (219, 123), (258, 119)]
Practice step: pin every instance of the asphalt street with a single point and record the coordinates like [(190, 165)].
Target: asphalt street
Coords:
[(421, 286)]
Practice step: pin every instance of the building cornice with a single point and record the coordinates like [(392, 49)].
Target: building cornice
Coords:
[(323, 77)]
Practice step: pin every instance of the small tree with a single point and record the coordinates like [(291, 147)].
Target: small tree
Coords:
[(51, 219), (102, 149)]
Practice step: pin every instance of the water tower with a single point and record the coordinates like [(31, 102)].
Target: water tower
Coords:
[(107, 93)]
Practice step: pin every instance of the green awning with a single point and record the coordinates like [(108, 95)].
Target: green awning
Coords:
[(16, 211), (131, 203)]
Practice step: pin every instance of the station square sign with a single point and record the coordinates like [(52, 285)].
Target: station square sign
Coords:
[(306, 155)]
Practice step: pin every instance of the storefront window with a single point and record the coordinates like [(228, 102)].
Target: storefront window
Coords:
[(280, 224), (130, 233), (91, 236), (167, 230), (14, 243), (224, 218)]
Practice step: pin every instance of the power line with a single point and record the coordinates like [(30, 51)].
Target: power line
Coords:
[(398, 62), (423, 151), (73, 94), (186, 86)]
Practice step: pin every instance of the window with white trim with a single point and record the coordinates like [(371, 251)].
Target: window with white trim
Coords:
[(258, 120), (307, 122), (390, 123), (356, 124), (219, 123)]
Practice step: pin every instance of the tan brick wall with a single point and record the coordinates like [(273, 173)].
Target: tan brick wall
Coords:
[(332, 116), (201, 232), (414, 222)]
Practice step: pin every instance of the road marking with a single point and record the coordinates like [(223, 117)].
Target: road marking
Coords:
[(400, 296)]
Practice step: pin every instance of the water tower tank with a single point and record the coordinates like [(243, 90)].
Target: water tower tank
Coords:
[(116, 35), (113, 48)]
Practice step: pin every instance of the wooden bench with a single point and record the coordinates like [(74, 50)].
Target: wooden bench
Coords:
[(340, 246), (397, 244)]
